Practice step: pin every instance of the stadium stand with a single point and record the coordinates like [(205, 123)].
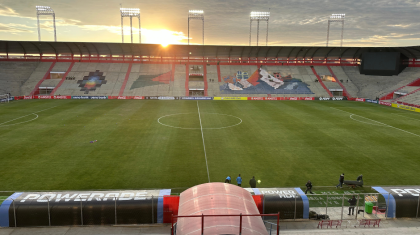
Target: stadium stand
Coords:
[(14, 74), (114, 76), (212, 81), (22, 78), (345, 81), (36, 76), (378, 86)]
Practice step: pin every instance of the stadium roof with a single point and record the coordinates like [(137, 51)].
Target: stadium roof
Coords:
[(156, 50)]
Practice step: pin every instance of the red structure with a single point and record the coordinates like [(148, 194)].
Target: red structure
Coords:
[(218, 208)]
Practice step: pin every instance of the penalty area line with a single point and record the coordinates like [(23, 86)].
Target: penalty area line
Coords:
[(386, 125), (27, 115), (204, 145)]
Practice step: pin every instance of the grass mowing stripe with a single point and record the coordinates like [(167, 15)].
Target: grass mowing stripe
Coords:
[(26, 116), (379, 122), (204, 145)]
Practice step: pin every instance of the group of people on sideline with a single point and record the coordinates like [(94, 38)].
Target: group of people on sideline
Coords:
[(252, 182)]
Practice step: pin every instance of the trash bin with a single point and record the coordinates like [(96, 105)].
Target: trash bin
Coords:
[(368, 207)]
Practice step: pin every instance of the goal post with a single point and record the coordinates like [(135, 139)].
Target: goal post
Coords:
[(4, 98)]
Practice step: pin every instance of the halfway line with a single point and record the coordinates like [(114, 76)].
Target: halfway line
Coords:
[(378, 122), (202, 137)]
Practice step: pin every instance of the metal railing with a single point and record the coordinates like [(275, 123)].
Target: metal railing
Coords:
[(202, 216)]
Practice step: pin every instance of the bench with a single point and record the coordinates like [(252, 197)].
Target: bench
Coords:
[(369, 222), (329, 223)]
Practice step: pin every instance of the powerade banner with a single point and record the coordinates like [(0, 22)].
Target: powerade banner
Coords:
[(81, 207), (405, 107), (283, 200), (402, 201), (372, 101), (196, 98)]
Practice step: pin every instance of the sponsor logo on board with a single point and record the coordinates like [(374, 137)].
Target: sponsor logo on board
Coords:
[(324, 98), (360, 99)]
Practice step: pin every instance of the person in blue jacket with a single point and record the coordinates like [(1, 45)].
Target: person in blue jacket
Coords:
[(239, 180), (227, 180)]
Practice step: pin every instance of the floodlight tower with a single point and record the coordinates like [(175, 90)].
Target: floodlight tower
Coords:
[(258, 16), (336, 18), (195, 15), (130, 12), (44, 10)]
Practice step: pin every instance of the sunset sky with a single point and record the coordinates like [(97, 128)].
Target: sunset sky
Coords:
[(292, 22)]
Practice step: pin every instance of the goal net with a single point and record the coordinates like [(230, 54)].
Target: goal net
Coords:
[(4, 98)]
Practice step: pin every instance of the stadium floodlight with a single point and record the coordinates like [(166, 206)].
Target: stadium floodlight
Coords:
[(258, 16), (130, 12), (45, 10), (336, 18), (195, 15)]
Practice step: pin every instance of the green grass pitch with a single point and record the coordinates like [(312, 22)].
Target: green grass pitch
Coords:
[(44, 144)]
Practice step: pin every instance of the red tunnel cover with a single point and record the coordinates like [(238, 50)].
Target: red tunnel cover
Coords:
[(218, 199)]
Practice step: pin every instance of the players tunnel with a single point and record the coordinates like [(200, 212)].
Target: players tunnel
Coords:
[(218, 199), (400, 201), (83, 208)]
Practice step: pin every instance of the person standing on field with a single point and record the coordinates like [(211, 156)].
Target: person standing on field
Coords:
[(239, 180), (352, 201), (340, 181), (309, 187), (253, 182)]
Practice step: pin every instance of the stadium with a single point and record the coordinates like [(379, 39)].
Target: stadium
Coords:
[(208, 139)]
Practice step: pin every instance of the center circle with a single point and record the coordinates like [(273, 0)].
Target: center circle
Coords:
[(183, 121)]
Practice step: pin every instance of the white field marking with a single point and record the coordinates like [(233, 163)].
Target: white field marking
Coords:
[(407, 117), (202, 137), (351, 116), (386, 125), (196, 128), (24, 121), (1, 124)]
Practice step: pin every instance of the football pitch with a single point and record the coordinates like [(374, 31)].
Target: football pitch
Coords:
[(145, 144)]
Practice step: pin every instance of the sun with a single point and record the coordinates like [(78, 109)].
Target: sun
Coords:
[(164, 44)]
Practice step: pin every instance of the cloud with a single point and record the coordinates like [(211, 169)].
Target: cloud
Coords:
[(7, 11), (15, 28)]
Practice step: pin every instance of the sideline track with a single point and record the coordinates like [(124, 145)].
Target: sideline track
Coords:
[(202, 137)]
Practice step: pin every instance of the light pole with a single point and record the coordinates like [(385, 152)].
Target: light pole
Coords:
[(258, 16), (45, 10), (195, 15), (336, 18), (130, 12)]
